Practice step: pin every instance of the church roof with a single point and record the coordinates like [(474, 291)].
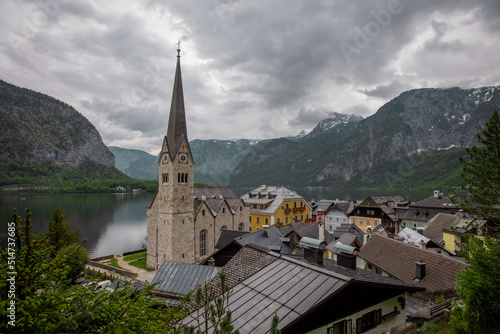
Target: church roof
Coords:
[(176, 130)]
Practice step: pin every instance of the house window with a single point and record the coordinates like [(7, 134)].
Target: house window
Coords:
[(258, 220), (250, 219), (240, 227), (361, 222), (278, 220), (267, 221), (286, 220), (368, 321), (223, 210), (342, 327), (203, 243), (354, 220), (203, 212)]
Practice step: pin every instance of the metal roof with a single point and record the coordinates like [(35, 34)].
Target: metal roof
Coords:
[(287, 287), (177, 278)]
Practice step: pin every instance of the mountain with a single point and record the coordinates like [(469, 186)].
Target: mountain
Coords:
[(135, 163), (38, 129), (383, 150), (214, 160), (414, 140)]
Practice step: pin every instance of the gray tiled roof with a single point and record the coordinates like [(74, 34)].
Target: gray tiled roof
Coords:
[(345, 239), (442, 221), (398, 260), (228, 236), (177, 278), (268, 284), (259, 238)]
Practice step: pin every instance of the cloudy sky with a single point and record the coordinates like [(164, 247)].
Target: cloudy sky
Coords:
[(251, 69)]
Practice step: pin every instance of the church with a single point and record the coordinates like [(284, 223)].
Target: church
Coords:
[(184, 222)]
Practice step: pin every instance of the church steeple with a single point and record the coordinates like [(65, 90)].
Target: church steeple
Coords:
[(177, 130)]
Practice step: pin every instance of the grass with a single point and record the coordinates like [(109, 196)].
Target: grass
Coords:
[(114, 263), (140, 263), (133, 257)]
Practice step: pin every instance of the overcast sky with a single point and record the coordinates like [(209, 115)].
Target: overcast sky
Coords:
[(251, 69)]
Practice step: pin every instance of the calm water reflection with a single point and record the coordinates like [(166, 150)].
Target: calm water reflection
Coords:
[(112, 223)]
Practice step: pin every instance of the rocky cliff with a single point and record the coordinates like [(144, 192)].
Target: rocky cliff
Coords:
[(36, 128)]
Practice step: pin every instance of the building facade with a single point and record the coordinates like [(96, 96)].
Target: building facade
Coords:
[(276, 205)]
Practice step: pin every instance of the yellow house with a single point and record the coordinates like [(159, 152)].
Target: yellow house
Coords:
[(275, 205)]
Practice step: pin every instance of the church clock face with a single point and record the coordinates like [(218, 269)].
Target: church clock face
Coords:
[(165, 158), (183, 158)]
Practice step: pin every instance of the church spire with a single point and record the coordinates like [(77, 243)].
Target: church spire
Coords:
[(177, 130)]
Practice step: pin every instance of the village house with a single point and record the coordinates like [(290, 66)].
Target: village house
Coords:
[(309, 297), (275, 205), (422, 268), (378, 210), (337, 214), (419, 213)]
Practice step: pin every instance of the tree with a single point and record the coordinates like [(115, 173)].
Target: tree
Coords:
[(38, 301), (59, 232), (481, 173), (479, 285), (479, 288)]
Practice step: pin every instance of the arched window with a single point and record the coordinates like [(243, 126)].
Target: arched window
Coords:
[(166, 177), (240, 227), (203, 243), (179, 178), (186, 180)]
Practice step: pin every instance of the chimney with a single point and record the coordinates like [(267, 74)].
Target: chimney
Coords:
[(313, 249), (346, 255), (368, 233), (420, 266), (452, 194), (321, 232), (422, 244), (266, 230), (437, 194)]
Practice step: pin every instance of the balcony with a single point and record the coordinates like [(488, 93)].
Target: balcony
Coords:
[(287, 211)]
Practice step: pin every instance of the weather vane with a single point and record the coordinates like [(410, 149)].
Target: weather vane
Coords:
[(179, 47)]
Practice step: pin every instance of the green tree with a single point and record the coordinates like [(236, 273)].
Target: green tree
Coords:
[(479, 285), (481, 173), (479, 288), (32, 281), (59, 232)]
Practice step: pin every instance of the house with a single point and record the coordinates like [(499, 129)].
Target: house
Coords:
[(422, 268), (419, 213), (276, 205), (269, 238), (349, 228), (318, 209), (337, 214), (176, 279), (376, 210), (414, 238), (347, 239), (308, 297)]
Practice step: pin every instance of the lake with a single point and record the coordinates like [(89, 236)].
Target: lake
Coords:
[(112, 223), (116, 223)]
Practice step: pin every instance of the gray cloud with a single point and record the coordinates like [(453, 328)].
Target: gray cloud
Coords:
[(251, 69)]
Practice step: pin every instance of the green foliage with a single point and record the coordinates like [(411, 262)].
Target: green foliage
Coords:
[(44, 304), (481, 173), (211, 307), (59, 233), (274, 325), (89, 177), (75, 257), (479, 288)]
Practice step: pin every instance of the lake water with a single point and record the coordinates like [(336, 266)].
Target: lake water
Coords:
[(116, 223), (112, 223)]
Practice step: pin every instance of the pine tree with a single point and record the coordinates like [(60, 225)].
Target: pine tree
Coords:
[(481, 173)]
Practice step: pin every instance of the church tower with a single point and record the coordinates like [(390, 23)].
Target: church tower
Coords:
[(170, 215)]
